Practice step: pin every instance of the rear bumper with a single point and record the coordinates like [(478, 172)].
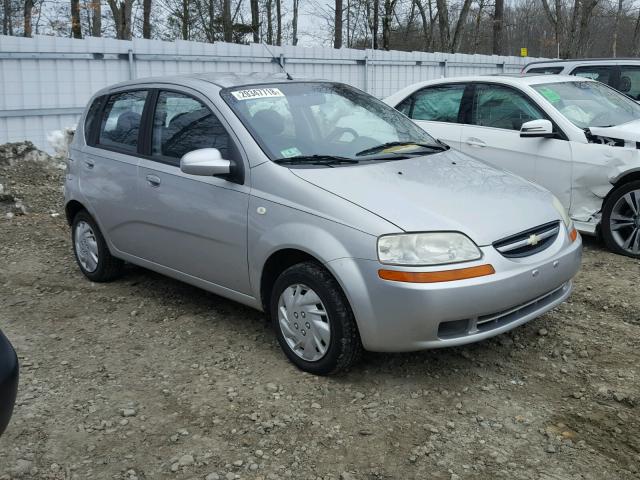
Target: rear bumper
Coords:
[(8, 381), (398, 316)]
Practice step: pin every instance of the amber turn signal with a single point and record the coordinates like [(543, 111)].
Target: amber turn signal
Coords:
[(573, 235), (440, 276)]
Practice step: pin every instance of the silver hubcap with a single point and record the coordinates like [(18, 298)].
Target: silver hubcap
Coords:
[(304, 322), (86, 246), (625, 222)]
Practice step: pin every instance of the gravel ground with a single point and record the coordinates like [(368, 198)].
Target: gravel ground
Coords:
[(150, 378)]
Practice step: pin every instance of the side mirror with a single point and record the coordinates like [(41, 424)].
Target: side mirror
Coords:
[(537, 129), (205, 162)]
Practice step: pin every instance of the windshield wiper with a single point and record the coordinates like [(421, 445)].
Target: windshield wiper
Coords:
[(370, 151), (315, 160)]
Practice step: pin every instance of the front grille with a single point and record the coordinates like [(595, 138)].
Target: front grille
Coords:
[(484, 323), (528, 242)]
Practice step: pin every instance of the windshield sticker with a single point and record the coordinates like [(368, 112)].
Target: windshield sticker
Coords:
[(549, 94), (252, 93), (290, 152)]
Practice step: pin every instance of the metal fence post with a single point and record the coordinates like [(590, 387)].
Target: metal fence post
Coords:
[(132, 67), (444, 68), (366, 73)]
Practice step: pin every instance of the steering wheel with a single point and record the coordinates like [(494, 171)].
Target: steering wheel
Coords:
[(337, 132)]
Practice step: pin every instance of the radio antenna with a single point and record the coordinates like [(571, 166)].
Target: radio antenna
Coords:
[(278, 60)]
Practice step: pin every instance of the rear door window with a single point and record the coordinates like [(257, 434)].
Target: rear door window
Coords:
[(545, 70), (629, 82), (438, 104), (90, 121), (601, 73), (121, 120), (182, 124)]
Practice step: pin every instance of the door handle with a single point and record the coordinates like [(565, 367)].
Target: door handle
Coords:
[(153, 180), (89, 164), (475, 142)]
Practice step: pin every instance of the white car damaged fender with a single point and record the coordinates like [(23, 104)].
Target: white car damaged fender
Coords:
[(597, 168)]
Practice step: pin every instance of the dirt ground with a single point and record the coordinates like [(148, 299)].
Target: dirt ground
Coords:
[(149, 378)]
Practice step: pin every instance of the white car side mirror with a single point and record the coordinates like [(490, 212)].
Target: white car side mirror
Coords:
[(537, 129), (205, 162)]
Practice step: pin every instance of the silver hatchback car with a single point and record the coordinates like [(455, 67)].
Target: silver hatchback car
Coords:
[(319, 204)]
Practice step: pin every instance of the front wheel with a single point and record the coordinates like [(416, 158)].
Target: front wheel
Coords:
[(621, 220), (313, 320)]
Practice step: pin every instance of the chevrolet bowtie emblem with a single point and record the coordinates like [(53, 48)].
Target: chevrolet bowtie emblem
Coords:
[(533, 240)]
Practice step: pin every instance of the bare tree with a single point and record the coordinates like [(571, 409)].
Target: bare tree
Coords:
[(269, 12), (76, 26), (255, 20), (278, 22), (636, 37), (337, 35), (555, 19), (462, 20), (498, 23), (294, 22), (121, 11), (387, 18), (28, 9), (96, 21), (427, 29), (616, 29), (146, 18), (227, 23)]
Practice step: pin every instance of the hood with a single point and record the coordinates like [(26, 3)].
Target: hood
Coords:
[(444, 191), (630, 132)]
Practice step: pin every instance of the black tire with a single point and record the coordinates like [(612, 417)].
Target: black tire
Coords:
[(109, 267), (605, 227), (345, 347)]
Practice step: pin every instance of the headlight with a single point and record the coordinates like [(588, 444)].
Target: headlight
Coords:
[(563, 213), (426, 248)]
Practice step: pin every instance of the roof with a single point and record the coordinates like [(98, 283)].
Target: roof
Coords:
[(222, 80), (582, 60)]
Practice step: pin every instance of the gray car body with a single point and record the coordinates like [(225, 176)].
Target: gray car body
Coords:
[(223, 236)]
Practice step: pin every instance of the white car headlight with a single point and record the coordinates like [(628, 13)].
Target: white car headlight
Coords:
[(433, 248)]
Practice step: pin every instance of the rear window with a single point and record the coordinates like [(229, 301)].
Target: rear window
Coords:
[(121, 120), (545, 70)]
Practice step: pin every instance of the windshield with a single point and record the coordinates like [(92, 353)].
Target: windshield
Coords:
[(590, 104), (318, 121)]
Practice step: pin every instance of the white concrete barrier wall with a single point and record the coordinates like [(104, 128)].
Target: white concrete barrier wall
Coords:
[(45, 82)]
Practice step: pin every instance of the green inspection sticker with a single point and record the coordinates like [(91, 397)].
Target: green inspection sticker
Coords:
[(549, 94), (290, 152)]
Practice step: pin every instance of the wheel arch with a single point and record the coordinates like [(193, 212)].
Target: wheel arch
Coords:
[(277, 263), (627, 177), (71, 209)]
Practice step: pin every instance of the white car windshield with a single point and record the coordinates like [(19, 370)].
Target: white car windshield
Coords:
[(312, 121), (590, 104)]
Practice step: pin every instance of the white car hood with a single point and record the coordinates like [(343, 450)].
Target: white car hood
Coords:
[(630, 132)]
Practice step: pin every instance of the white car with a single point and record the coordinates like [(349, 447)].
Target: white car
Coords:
[(577, 137), (623, 74)]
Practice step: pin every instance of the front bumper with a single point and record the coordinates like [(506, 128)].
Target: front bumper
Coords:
[(8, 381), (397, 316)]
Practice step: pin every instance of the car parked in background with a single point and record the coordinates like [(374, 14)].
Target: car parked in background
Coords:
[(577, 137), (9, 373), (319, 204), (623, 74)]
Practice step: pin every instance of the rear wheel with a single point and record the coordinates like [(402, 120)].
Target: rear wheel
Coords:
[(621, 220), (91, 251), (313, 320)]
